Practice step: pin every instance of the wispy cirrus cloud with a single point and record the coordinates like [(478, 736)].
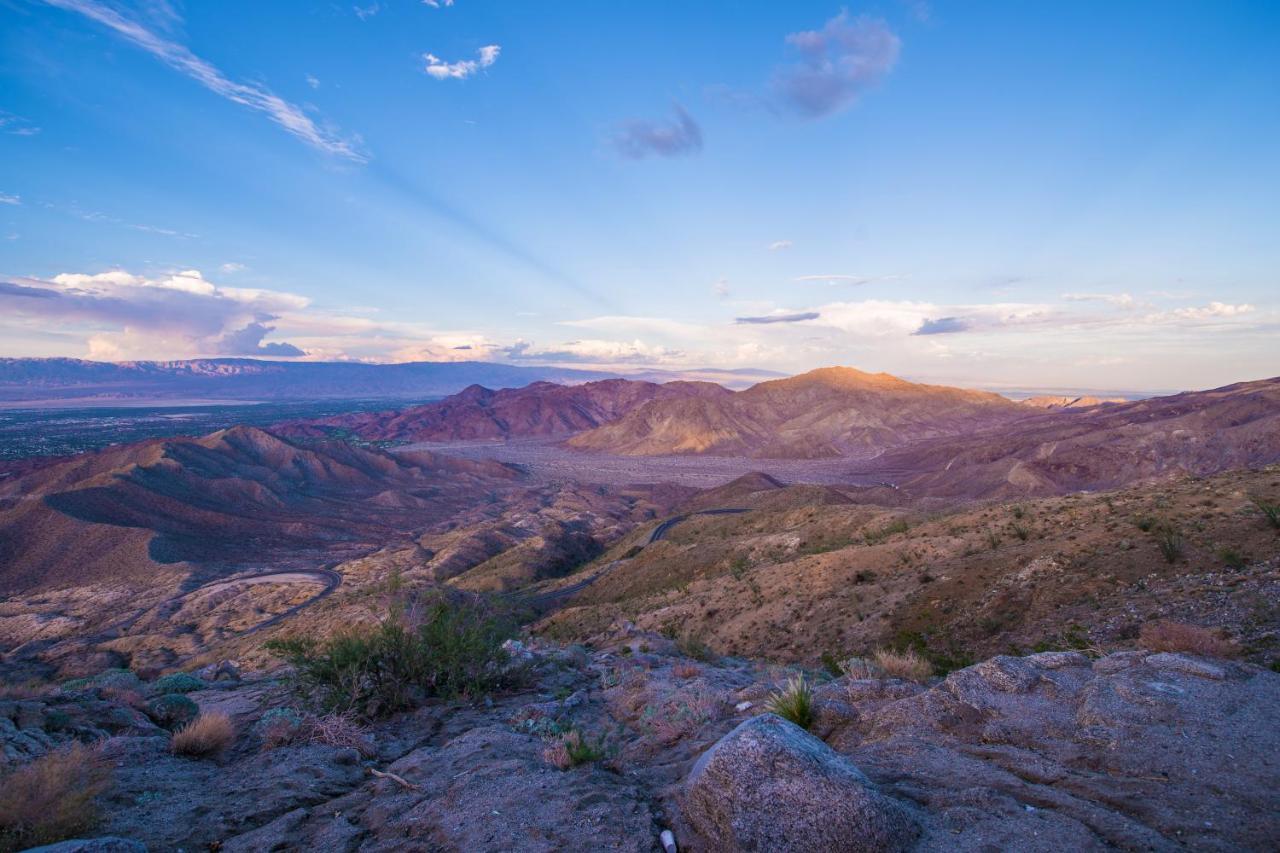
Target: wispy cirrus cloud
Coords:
[(779, 245), (674, 137), (6, 198), (463, 68), (16, 125), (844, 278), (177, 56), (837, 64)]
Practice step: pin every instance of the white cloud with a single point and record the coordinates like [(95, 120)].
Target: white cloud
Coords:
[(176, 314), (721, 288), (180, 58), (313, 81), (366, 12), (1214, 310), (463, 68), (779, 245), (1120, 300), (437, 4), (231, 267), (5, 198)]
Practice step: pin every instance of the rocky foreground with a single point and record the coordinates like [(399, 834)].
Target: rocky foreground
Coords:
[(607, 749)]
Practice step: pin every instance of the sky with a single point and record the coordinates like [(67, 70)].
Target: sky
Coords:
[(1008, 195)]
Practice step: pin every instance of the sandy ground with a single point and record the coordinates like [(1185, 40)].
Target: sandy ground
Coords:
[(546, 458)]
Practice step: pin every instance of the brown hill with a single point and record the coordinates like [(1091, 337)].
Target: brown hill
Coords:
[(830, 412), (236, 496), (542, 410), (1106, 447)]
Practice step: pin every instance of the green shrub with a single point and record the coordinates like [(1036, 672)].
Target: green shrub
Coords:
[(1233, 558), (794, 702), (1270, 511), (178, 682), (455, 650), (1169, 540), (172, 711), (1020, 531)]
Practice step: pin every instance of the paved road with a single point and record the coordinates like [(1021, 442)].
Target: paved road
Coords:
[(552, 599)]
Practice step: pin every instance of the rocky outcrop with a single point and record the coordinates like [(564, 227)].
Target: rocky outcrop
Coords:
[(769, 785)]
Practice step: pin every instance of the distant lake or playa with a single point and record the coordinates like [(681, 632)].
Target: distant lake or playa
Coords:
[(40, 431)]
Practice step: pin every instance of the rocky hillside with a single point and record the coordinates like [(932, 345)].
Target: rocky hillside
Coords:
[(1136, 750), (805, 571), (829, 412), (1104, 447), (540, 410)]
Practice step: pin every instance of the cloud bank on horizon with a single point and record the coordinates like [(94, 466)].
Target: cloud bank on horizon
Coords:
[(901, 190)]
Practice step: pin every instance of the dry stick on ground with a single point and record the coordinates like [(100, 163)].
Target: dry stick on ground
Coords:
[(402, 782)]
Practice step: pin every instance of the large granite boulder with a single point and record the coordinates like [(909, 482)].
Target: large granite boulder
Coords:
[(770, 785)]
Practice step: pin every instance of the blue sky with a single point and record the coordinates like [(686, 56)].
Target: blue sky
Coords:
[(1009, 195)]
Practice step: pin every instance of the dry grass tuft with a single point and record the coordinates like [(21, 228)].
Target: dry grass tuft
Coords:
[(794, 702), (204, 737), (571, 750), (908, 665), (1180, 637), (858, 669), (686, 670), (52, 798)]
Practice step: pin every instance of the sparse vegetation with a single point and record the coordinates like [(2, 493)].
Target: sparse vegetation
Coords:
[(453, 650), (794, 702), (52, 798), (1020, 531), (858, 669), (1270, 511), (1233, 558), (177, 682), (909, 665), (1169, 539), (1168, 636), (572, 749)]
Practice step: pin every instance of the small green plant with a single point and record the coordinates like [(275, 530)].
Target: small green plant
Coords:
[(1019, 512), (1145, 523), (1233, 558), (1270, 511), (1172, 546), (573, 748), (794, 702), (178, 682), (1020, 531), (694, 647), (993, 540), (831, 663)]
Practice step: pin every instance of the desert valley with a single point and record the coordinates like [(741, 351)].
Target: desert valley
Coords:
[(957, 584), (448, 426)]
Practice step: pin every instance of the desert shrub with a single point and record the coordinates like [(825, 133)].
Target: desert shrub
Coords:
[(571, 749), (1020, 531), (874, 537), (172, 711), (859, 669), (1145, 523), (278, 727), (685, 669), (178, 682), (694, 647), (1168, 636), (375, 670), (1270, 511), (793, 702), (1233, 558), (909, 664), (1170, 542), (831, 663), (1019, 512), (993, 540), (52, 798), (204, 737)]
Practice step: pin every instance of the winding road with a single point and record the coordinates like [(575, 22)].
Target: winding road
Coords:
[(551, 599)]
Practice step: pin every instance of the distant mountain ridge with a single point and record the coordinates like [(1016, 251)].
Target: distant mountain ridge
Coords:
[(538, 410), (70, 379)]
